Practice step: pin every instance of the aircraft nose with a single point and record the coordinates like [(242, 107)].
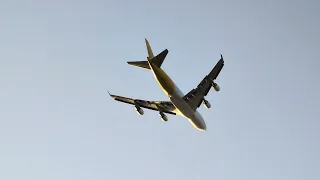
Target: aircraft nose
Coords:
[(201, 125)]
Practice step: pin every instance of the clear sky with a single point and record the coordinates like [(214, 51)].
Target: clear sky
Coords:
[(59, 57)]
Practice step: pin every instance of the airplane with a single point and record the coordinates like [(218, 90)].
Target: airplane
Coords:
[(179, 104)]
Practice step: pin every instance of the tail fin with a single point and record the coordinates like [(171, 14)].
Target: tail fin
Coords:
[(150, 53), (157, 60)]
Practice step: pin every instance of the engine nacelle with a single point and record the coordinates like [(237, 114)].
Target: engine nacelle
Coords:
[(216, 87), (206, 104), (164, 117), (139, 110)]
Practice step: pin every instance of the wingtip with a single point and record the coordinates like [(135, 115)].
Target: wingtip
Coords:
[(221, 56), (109, 93)]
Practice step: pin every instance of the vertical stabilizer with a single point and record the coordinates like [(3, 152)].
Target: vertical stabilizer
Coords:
[(156, 60), (150, 53)]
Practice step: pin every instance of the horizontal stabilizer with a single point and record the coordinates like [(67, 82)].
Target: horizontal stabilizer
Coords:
[(158, 60), (142, 64)]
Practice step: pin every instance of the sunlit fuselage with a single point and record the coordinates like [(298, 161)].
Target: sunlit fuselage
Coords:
[(176, 97)]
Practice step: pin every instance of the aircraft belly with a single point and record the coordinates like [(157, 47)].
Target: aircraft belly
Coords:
[(181, 105), (176, 97), (163, 79), (183, 109)]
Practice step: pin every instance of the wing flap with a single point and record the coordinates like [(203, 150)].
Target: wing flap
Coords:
[(164, 106)]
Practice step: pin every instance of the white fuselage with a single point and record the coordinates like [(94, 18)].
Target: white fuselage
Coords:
[(183, 109), (176, 97)]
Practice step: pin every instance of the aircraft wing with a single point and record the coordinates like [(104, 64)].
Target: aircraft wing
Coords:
[(195, 97), (164, 106)]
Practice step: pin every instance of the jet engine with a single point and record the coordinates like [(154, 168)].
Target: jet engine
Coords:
[(216, 86), (164, 117), (139, 110), (206, 104)]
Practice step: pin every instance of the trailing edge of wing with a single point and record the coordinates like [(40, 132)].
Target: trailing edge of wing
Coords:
[(195, 97), (164, 106)]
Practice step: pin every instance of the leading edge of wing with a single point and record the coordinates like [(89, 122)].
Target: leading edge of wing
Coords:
[(165, 106), (217, 69), (195, 97)]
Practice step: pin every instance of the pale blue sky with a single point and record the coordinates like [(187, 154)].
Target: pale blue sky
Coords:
[(58, 57)]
